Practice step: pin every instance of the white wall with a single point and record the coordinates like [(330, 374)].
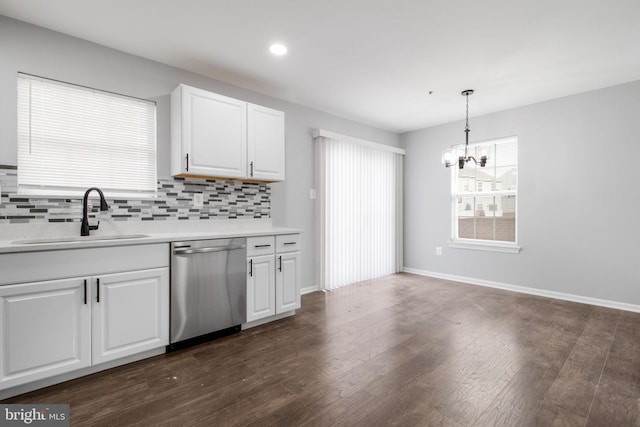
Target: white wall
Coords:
[(38, 51), (578, 196), (578, 159)]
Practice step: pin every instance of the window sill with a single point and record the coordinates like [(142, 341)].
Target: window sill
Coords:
[(505, 247)]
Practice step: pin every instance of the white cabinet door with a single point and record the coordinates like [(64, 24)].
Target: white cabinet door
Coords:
[(287, 282), (265, 143), (45, 330), (260, 287), (209, 134), (130, 313)]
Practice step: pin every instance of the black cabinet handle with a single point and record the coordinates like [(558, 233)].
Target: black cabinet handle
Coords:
[(289, 243), (98, 289), (250, 268), (187, 162), (262, 246), (280, 267), (85, 291), (251, 165)]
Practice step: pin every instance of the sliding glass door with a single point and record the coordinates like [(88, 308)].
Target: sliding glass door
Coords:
[(360, 211)]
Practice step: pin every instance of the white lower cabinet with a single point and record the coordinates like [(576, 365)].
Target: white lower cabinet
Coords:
[(273, 275), (288, 282), (130, 313), (261, 295), (58, 326), (54, 327), (45, 330)]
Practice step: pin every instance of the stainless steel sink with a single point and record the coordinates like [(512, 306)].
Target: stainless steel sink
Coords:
[(77, 239)]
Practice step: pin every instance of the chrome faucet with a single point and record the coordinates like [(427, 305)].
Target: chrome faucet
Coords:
[(85, 227)]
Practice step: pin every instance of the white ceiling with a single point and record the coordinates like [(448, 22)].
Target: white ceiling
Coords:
[(373, 61)]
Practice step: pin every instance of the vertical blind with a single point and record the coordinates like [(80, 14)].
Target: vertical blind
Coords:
[(71, 138), (360, 212)]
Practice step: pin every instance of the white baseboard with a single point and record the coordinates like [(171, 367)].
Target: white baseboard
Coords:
[(527, 290), (308, 290), (267, 319)]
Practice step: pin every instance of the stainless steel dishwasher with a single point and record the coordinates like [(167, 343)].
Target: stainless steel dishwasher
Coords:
[(208, 289)]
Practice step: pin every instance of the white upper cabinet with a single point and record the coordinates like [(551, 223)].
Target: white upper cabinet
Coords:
[(217, 136), (208, 134), (265, 143)]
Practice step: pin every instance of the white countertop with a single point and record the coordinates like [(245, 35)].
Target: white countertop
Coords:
[(45, 237)]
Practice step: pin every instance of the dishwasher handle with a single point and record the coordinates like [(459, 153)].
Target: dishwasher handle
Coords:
[(206, 250)]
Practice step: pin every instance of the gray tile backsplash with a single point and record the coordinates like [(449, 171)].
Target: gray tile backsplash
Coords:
[(225, 199)]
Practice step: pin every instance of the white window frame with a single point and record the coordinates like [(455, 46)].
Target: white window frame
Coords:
[(480, 244), (72, 137)]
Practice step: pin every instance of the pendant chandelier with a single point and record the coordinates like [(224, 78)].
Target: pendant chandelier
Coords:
[(454, 152)]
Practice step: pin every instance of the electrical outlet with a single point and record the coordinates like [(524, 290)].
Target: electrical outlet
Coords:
[(438, 250), (312, 194), (198, 200)]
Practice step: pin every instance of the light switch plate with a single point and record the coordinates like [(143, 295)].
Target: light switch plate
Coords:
[(312, 194)]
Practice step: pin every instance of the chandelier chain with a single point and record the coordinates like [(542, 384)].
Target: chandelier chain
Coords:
[(467, 123), (448, 157)]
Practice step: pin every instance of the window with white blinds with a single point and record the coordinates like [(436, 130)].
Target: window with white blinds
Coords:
[(71, 138)]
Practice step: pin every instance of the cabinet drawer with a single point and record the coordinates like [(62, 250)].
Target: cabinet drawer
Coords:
[(288, 243), (263, 245), (25, 267)]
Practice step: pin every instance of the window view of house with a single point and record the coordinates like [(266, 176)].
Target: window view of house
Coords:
[(489, 213)]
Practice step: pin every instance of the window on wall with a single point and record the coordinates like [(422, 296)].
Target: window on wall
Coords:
[(71, 138), (484, 199)]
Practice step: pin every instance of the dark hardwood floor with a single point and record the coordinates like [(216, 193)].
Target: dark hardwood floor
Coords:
[(401, 350)]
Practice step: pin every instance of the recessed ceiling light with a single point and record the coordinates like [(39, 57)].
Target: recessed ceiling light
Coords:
[(278, 49)]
